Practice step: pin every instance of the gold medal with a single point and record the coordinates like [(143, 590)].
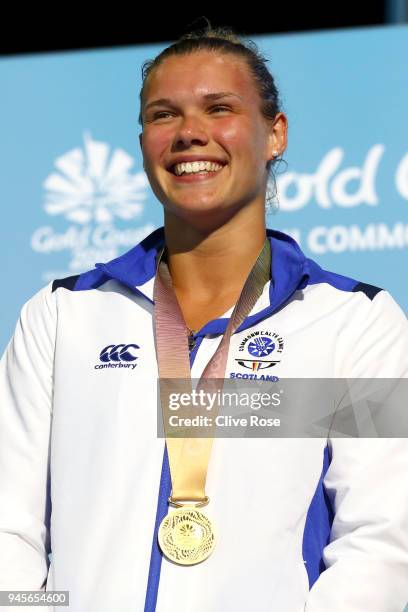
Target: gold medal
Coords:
[(186, 536)]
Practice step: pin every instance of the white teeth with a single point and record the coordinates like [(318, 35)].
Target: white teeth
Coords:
[(197, 166)]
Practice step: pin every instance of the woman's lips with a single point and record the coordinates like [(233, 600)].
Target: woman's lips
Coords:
[(193, 177)]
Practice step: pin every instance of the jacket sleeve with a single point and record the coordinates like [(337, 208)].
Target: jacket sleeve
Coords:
[(26, 389), (366, 558)]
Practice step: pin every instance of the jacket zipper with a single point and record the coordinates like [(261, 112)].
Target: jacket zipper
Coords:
[(191, 341)]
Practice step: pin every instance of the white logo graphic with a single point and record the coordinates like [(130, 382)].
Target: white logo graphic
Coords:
[(91, 187), (333, 186), (329, 185)]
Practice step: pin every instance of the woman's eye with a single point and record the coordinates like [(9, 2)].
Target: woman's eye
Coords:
[(160, 114), (220, 107), (165, 114)]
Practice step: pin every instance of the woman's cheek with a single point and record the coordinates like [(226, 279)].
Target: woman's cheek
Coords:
[(236, 134), (155, 144), (229, 133)]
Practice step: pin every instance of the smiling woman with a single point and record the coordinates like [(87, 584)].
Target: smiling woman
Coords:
[(210, 108), (194, 128), (279, 519), (212, 130), (211, 134)]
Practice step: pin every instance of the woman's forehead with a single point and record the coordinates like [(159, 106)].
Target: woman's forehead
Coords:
[(199, 73)]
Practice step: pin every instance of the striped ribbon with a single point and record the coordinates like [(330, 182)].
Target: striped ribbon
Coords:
[(189, 456)]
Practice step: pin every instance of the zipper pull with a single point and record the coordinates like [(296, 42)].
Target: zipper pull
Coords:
[(191, 341)]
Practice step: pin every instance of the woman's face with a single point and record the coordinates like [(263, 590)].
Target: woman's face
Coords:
[(206, 106)]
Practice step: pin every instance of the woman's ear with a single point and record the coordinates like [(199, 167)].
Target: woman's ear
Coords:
[(278, 135)]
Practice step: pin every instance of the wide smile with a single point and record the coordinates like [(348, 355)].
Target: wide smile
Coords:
[(194, 177)]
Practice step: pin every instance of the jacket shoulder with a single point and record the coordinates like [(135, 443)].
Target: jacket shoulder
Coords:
[(68, 282), (340, 282), (80, 282)]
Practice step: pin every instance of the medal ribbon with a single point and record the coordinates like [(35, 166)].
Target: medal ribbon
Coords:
[(189, 457)]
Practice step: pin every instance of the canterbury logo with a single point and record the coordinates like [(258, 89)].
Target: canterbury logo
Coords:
[(118, 352)]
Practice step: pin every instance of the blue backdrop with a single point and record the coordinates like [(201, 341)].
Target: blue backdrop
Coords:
[(74, 192)]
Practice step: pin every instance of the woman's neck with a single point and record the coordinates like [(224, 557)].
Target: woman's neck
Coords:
[(207, 266)]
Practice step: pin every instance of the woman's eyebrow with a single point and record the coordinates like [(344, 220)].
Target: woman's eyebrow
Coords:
[(210, 96), (221, 94)]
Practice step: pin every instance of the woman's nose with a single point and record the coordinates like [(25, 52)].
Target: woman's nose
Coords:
[(191, 131)]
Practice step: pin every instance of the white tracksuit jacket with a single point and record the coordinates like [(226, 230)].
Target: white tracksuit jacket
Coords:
[(83, 474)]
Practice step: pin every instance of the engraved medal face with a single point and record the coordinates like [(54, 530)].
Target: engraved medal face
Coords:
[(186, 536)]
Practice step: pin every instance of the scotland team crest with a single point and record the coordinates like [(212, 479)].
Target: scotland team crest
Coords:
[(260, 350)]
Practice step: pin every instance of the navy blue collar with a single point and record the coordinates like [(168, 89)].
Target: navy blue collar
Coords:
[(290, 272)]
